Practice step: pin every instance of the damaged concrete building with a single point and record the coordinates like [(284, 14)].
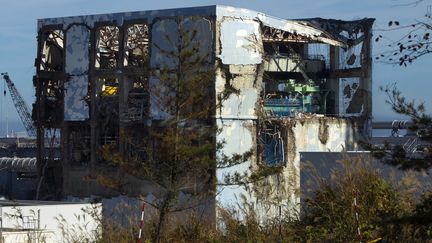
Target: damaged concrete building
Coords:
[(288, 86)]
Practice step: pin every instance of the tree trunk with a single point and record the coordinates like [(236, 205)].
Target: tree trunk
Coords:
[(162, 215)]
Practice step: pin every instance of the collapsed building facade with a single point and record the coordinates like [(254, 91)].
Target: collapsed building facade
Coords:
[(287, 86)]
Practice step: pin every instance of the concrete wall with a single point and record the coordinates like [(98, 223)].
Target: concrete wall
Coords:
[(280, 193), (239, 80)]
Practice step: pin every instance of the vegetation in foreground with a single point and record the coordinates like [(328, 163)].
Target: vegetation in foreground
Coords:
[(356, 205)]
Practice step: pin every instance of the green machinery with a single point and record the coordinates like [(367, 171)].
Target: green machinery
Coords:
[(294, 97)]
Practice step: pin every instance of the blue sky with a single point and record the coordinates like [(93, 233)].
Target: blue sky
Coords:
[(18, 37)]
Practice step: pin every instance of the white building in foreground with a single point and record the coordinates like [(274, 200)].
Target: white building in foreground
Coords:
[(42, 221)]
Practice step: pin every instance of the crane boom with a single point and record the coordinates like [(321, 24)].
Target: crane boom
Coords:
[(21, 106)]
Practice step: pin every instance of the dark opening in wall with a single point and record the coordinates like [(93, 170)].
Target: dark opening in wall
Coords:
[(292, 81), (136, 142), (272, 144), (79, 144), (138, 100), (107, 47), (136, 46), (49, 78), (26, 175), (52, 102), (284, 98), (107, 87), (52, 51), (107, 109)]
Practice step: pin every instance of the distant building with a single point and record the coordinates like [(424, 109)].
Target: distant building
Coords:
[(290, 85)]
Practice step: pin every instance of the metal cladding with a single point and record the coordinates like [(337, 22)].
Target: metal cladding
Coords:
[(77, 66)]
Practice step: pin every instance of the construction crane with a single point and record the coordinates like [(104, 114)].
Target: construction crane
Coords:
[(20, 105)]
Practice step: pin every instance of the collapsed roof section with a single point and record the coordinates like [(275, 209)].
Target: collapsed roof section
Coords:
[(304, 28), (340, 28), (287, 28)]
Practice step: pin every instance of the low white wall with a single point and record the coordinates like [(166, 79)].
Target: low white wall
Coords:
[(63, 222)]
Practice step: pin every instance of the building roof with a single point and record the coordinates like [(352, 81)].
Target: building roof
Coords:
[(303, 28)]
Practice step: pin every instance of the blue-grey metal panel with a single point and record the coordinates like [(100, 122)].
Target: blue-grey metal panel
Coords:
[(164, 41), (197, 37), (200, 30), (77, 65), (75, 107), (193, 35), (77, 50)]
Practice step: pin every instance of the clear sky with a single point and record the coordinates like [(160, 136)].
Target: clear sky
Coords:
[(18, 37)]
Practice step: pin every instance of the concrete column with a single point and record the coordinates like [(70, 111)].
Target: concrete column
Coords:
[(333, 83)]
